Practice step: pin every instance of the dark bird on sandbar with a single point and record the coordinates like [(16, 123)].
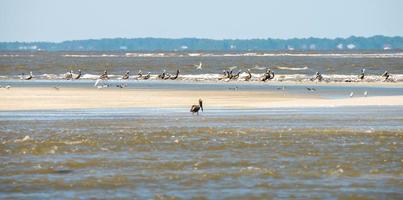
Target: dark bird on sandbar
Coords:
[(196, 108), (126, 75)]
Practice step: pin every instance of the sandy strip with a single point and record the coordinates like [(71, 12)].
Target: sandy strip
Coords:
[(68, 98)]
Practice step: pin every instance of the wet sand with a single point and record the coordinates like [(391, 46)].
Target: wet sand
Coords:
[(29, 98)]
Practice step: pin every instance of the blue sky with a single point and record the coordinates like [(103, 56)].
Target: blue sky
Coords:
[(58, 20)]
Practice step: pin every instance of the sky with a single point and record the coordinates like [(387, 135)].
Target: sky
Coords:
[(60, 20)]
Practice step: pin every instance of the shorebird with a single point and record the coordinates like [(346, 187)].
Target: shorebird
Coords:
[(29, 77), (162, 76), (362, 75), (140, 74), (318, 76), (386, 75), (351, 94), (69, 75), (104, 76), (365, 93), (199, 66), (126, 75), (78, 75), (249, 76), (196, 108), (176, 75), (147, 76), (235, 76)]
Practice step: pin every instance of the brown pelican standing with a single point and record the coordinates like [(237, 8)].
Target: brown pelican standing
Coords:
[(140, 74), (386, 75), (176, 75), (126, 75), (78, 75), (29, 77), (362, 75), (235, 76), (318, 77), (196, 108), (104, 76), (147, 76), (267, 75), (162, 76), (249, 76)]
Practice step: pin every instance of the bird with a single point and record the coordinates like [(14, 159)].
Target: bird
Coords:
[(365, 93), (311, 89), (249, 76), (351, 94), (78, 75), (147, 76), (29, 77), (69, 75), (362, 75), (104, 75), (176, 75), (162, 75), (7, 87), (235, 76), (199, 66), (318, 76), (196, 108), (386, 75), (140, 74), (126, 75)]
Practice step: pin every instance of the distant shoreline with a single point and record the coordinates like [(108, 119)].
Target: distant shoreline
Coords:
[(196, 44)]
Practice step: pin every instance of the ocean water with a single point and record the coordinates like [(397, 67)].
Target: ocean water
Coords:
[(332, 153), (335, 66), (152, 153)]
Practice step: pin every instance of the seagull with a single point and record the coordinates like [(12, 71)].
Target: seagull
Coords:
[(199, 66), (196, 108), (351, 94), (365, 93), (7, 87)]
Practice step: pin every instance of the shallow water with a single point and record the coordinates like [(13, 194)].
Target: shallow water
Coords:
[(328, 153)]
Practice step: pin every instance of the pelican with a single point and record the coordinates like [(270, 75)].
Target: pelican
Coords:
[(386, 75), (78, 75), (176, 75), (126, 75), (29, 77), (147, 76), (318, 76), (267, 75), (196, 108), (249, 76), (362, 75), (162, 76), (140, 74), (235, 76), (104, 75), (69, 75)]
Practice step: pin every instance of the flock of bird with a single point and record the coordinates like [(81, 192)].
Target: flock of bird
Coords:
[(226, 76)]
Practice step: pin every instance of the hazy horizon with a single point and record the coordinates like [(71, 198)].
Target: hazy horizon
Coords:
[(56, 21)]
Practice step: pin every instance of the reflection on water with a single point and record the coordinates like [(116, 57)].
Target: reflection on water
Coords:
[(331, 153)]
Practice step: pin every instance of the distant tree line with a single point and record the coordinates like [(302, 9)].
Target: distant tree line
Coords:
[(195, 44)]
